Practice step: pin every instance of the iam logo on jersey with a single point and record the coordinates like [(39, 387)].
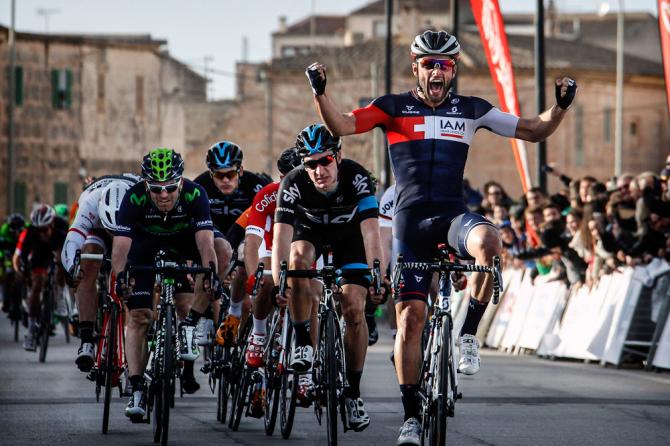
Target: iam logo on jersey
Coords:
[(440, 127)]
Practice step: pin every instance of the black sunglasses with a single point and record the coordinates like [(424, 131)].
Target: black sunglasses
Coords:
[(325, 161), (230, 174), (157, 188)]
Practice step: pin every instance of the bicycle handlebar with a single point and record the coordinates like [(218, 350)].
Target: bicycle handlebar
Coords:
[(171, 268), (443, 265), (328, 272)]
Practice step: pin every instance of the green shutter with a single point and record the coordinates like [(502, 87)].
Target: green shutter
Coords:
[(54, 89), (18, 85), (60, 193), (68, 89), (19, 197)]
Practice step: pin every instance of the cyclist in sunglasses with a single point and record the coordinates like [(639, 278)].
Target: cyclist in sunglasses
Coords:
[(35, 250), (169, 213), (429, 130), (231, 190), (328, 205)]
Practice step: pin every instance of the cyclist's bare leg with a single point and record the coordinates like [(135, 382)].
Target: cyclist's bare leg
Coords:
[(356, 330), (86, 294), (136, 343), (300, 300), (263, 300), (37, 284), (410, 317), (224, 253), (314, 318), (483, 244)]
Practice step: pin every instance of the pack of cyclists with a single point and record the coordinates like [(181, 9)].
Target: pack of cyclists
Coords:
[(324, 210)]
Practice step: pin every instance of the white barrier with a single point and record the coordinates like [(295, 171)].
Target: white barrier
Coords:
[(662, 357), (545, 309), (498, 315)]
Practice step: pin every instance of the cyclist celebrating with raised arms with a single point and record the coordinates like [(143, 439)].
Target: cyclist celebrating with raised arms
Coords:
[(429, 131), (328, 202), (165, 212)]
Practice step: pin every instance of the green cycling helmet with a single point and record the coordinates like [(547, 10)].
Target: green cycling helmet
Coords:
[(162, 165), (62, 210)]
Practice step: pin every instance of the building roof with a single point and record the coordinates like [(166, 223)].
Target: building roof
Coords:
[(563, 55), (324, 25), (379, 6), (135, 40)]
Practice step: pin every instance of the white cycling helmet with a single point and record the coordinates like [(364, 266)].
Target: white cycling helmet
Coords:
[(435, 43), (110, 202), (42, 216)]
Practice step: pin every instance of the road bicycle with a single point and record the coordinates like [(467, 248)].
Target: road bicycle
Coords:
[(329, 368), (438, 381), (110, 358), (163, 366)]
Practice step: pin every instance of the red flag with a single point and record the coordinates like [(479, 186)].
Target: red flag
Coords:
[(664, 28), (492, 31)]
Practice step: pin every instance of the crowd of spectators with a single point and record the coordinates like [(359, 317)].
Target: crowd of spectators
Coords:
[(587, 229)]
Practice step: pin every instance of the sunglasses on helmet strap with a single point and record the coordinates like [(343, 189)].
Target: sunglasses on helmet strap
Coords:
[(325, 161), (158, 188)]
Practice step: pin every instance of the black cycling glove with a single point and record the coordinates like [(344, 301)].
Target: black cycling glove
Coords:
[(317, 82), (565, 101)]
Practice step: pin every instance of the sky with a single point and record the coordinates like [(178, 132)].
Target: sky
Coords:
[(212, 29)]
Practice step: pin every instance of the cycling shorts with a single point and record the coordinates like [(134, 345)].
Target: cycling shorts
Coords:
[(416, 235), (143, 252), (101, 238), (344, 242)]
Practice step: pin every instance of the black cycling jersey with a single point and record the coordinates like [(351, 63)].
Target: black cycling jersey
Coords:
[(139, 216), (353, 201), (226, 208), (32, 245)]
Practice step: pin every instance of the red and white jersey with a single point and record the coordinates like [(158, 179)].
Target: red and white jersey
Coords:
[(261, 215)]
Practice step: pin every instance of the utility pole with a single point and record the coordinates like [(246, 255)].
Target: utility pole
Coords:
[(265, 78), (618, 126), (386, 172), (541, 154), (10, 111), (208, 82), (454, 31), (46, 13)]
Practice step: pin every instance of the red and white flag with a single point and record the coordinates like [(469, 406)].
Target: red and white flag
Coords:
[(664, 31), (492, 31)]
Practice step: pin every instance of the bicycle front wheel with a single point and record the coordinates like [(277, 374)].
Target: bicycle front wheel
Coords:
[(330, 376), (288, 392), (46, 320), (167, 372), (109, 349), (437, 434)]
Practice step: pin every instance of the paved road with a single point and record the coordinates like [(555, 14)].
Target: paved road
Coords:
[(512, 401)]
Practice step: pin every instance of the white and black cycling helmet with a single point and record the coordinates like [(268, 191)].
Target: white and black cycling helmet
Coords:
[(42, 216), (110, 202), (435, 43)]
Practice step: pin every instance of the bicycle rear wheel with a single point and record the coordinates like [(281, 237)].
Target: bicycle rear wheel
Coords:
[(437, 425), (330, 377), (288, 391), (222, 386), (110, 351), (240, 400)]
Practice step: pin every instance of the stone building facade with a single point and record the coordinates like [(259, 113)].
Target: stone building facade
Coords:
[(93, 105)]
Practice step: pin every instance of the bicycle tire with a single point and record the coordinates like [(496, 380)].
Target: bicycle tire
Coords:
[(222, 399), (330, 377), (437, 429), (240, 401), (157, 408), (16, 330), (46, 321), (288, 392), (272, 378), (167, 372), (110, 349)]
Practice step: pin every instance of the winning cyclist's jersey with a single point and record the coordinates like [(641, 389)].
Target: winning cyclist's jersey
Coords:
[(87, 219), (352, 202), (226, 208), (262, 212), (138, 216), (387, 207), (429, 146)]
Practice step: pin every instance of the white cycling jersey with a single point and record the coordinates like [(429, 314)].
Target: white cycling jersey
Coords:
[(387, 207), (87, 218)]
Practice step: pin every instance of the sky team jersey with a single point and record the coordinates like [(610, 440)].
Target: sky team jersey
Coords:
[(352, 202), (386, 207), (226, 208), (86, 217), (262, 212), (139, 216), (428, 146)]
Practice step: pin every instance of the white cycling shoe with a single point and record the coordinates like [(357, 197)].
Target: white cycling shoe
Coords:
[(469, 349), (357, 417)]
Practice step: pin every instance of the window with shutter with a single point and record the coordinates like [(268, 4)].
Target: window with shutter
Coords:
[(61, 89), (60, 192)]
